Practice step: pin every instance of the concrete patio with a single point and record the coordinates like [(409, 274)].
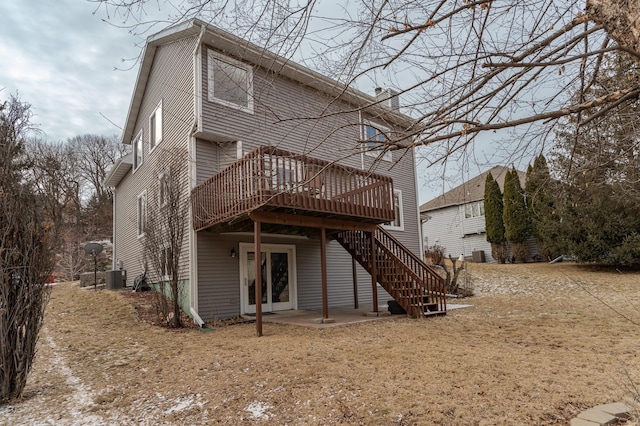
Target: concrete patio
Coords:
[(338, 316)]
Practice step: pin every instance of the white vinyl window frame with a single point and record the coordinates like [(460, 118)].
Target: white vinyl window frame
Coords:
[(398, 223), (155, 128), (141, 214), (372, 135), (138, 151), (475, 209), (213, 59), (165, 263), (163, 189)]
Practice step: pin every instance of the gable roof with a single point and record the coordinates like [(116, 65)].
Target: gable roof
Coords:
[(256, 55), (470, 191)]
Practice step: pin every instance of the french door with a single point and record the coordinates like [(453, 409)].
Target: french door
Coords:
[(278, 277)]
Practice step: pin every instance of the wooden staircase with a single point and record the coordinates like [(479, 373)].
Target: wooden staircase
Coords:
[(411, 282)]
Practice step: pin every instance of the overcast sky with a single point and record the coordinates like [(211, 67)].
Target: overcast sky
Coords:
[(78, 72), (67, 63)]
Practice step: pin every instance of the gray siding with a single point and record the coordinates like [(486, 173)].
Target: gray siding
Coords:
[(212, 157), (450, 229), (332, 137), (219, 275), (170, 81), (315, 125)]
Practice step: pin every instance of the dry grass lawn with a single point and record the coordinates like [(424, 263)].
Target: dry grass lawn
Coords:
[(540, 344)]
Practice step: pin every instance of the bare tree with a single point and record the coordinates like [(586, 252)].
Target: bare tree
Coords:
[(25, 255), (166, 225), (71, 257), (462, 67), (95, 155), (57, 184)]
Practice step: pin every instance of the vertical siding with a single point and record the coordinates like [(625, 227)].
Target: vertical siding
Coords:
[(170, 81)]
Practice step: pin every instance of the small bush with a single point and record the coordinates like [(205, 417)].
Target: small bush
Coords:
[(627, 254), (436, 254), (520, 252), (499, 252)]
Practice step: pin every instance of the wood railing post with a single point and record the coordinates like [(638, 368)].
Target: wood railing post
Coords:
[(355, 282), (374, 271), (323, 272), (258, 262)]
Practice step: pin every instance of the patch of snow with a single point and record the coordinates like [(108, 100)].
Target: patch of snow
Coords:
[(258, 410), (184, 403)]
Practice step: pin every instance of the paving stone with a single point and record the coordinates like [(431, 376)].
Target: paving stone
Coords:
[(596, 416), (582, 422), (618, 409)]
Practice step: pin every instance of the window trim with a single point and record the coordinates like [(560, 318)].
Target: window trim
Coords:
[(136, 140), (380, 130), (164, 275), (470, 206), (213, 55), (141, 209), (390, 225), (152, 133), (163, 181)]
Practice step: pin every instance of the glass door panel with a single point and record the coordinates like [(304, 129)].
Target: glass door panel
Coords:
[(279, 277), (251, 277)]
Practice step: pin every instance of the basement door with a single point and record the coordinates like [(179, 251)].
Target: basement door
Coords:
[(278, 277)]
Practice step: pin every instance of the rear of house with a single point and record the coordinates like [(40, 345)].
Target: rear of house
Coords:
[(261, 140)]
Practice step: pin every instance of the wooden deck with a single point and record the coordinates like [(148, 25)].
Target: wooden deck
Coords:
[(284, 184)]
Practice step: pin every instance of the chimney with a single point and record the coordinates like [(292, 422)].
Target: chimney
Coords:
[(388, 98)]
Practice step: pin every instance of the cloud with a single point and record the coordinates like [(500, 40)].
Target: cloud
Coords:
[(63, 60)]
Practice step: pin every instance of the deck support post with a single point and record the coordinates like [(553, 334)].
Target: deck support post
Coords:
[(258, 263), (374, 271), (323, 267), (355, 282)]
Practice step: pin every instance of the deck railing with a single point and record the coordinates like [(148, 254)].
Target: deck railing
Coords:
[(275, 178), (413, 284)]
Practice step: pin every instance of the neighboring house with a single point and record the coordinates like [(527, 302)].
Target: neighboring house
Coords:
[(455, 220), (276, 156)]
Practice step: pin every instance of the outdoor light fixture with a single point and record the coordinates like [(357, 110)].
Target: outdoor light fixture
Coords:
[(233, 253)]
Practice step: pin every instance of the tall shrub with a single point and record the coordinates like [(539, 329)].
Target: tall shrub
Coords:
[(493, 210), (26, 259), (517, 225), (539, 190)]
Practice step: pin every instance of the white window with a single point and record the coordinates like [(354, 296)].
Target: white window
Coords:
[(137, 151), (375, 141), (163, 189), (230, 82), (398, 222), (155, 127), (474, 209), (165, 263), (142, 213)]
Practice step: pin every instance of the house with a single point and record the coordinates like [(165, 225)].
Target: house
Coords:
[(277, 159), (455, 220)]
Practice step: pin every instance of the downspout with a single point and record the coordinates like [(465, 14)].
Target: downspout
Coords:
[(420, 227), (361, 136), (113, 228), (191, 180)]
